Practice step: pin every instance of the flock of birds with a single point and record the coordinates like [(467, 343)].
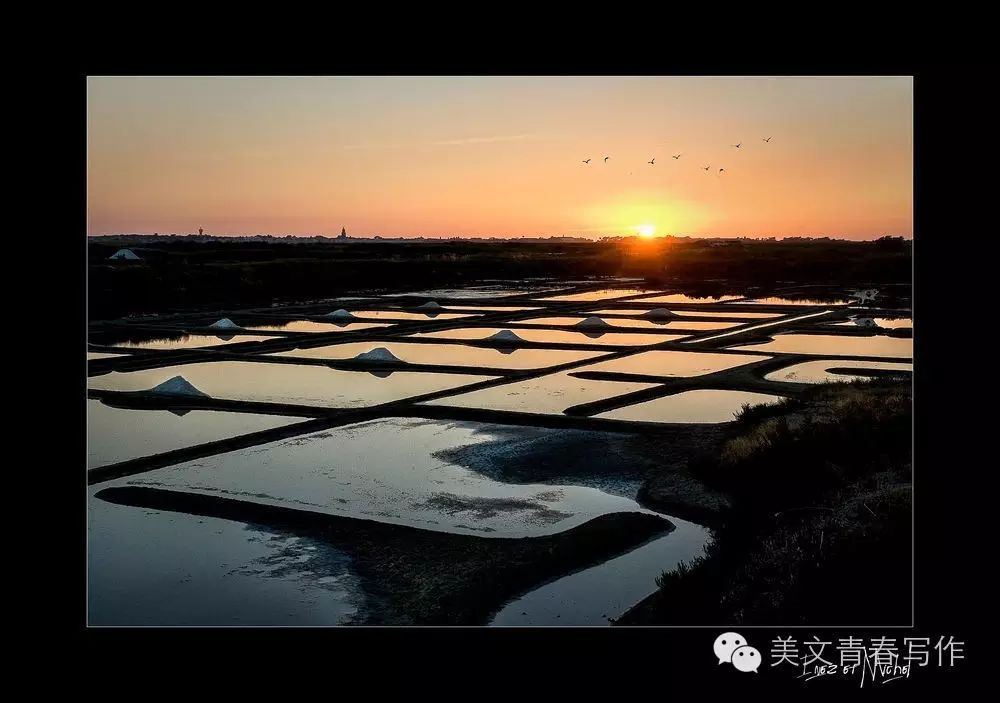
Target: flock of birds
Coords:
[(652, 161)]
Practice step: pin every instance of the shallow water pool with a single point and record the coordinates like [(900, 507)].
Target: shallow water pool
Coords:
[(150, 567), (594, 596), (777, 300), (400, 315), (557, 336), (193, 341), (288, 383), (700, 406), (449, 354), (886, 322), (550, 394), (684, 298), (602, 294), (817, 371), (118, 434), (648, 323), (394, 471), (835, 345), (312, 326), (672, 363)]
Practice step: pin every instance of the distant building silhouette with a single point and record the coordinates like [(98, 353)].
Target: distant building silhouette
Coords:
[(343, 233), (200, 231)]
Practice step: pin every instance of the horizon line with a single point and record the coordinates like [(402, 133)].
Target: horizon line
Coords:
[(594, 237)]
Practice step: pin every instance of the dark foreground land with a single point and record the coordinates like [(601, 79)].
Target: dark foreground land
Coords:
[(180, 273), (418, 576), (819, 527)]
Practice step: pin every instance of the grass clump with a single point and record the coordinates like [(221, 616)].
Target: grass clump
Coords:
[(819, 528)]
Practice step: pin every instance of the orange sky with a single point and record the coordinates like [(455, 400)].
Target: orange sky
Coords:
[(501, 156)]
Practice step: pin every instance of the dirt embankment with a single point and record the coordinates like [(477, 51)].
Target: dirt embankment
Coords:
[(819, 529), (415, 576)]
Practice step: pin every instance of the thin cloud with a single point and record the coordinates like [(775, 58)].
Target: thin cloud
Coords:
[(446, 142), (370, 146), (484, 140)]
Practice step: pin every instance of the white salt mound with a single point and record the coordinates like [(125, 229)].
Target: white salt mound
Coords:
[(377, 354), (660, 314), (177, 385), (429, 305), (504, 336), (340, 315), (592, 322), (225, 324)]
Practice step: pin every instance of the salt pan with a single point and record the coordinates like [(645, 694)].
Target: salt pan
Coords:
[(177, 385)]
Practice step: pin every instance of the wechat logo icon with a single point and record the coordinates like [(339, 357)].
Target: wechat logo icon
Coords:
[(732, 648)]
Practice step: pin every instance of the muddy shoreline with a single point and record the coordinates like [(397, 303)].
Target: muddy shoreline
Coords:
[(423, 577)]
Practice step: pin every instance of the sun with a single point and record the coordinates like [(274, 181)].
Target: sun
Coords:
[(647, 231)]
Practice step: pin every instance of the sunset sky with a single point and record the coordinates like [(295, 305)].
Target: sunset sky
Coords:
[(480, 156)]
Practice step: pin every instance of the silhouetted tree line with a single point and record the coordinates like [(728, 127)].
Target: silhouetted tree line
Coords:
[(185, 274)]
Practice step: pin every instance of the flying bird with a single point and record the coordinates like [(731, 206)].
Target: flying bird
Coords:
[(766, 140), (606, 159), (586, 161), (738, 145), (721, 170), (677, 156), (651, 161), (707, 167)]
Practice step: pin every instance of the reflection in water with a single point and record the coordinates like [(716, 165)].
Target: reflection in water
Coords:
[(397, 315), (596, 595), (491, 308), (191, 341), (735, 312), (604, 293), (287, 383), (574, 321), (672, 363), (683, 298), (774, 300), (817, 371), (547, 394), (691, 406), (117, 434), (392, 471), (836, 344), (473, 292), (101, 355), (310, 326), (556, 336), (705, 315), (636, 322), (147, 567), (661, 323), (450, 354), (886, 322)]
